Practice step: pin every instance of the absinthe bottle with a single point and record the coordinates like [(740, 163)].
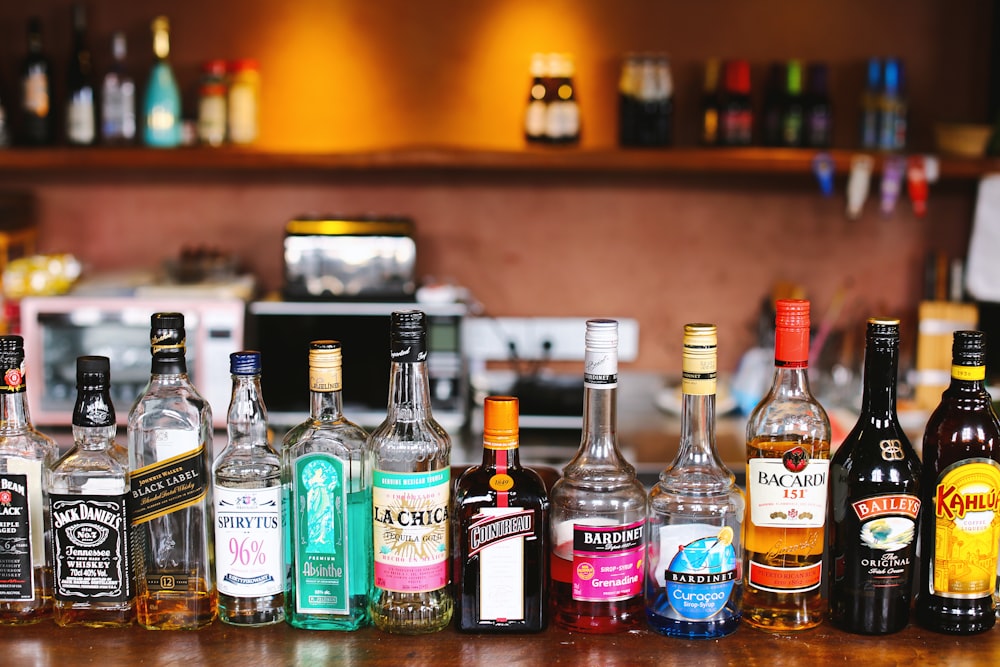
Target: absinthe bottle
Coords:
[(411, 492), (874, 502), (170, 429), (501, 533), (26, 589), (788, 465), (327, 504), (88, 490), (695, 527), (598, 510), (246, 479)]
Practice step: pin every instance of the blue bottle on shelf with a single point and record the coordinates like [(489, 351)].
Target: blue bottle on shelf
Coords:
[(162, 103)]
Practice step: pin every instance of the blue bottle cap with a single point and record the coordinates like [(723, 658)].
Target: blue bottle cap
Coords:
[(244, 362)]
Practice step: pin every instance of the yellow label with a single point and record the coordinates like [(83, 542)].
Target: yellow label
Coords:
[(501, 482), (325, 379), (968, 372), (967, 530)]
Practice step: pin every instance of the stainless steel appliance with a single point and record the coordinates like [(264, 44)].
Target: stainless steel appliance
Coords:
[(282, 330), (58, 329)]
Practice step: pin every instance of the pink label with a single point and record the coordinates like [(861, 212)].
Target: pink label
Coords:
[(607, 562), (411, 579)]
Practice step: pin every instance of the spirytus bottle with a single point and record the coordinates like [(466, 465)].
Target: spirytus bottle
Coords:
[(88, 487), (875, 501), (788, 465), (162, 103), (695, 526), (327, 502), (410, 456), (598, 509), (501, 533), (26, 589), (960, 487), (249, 567), (170, 432)]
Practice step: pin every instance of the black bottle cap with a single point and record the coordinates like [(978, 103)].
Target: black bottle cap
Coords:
[(324, 345), (93, 401), (166, 328), (244, 362), (408, 336), (968, 348)]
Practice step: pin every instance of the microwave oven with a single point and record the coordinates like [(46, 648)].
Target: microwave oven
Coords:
[(282, 331), (58, 329)]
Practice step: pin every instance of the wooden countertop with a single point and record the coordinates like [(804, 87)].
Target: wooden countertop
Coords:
[(219, 644)]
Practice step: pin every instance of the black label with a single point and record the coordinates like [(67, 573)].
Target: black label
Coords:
[(167, 486), (90, 548), (160, 583), (408, 352), (607, 540), (16, 581)]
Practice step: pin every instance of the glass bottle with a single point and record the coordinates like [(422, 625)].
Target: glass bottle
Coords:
[(243, 103), (36, 90), (695, 525), (81, 103), (628, 92), (562, 120), (409, 455), (118, 97), (598, 509), (501, 533), (774, 102), (892, 109), (162, 104), (88, 490), (736, 115), (536, 110), (327, 503), (250, 571), (960, 488), (710, 104), (818, 109), (212, 115), (26, 589), (170, 433), (788, 464), (875, 500), (869, 105), (793, 111)]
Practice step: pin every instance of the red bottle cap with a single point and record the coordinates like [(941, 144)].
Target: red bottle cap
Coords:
[(791, 335), (243, 65), (738, 76)]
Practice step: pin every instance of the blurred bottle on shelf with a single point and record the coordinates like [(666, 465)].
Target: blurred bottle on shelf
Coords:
[(892, 109), (774, 95), (36, 90), (792, 111), (818, 109), (81, 100), (162, 105), (628, 93), (539, 96), (212, 114), (737, 111), (647, 107), (870, 105), (562, 118), (710, 105), (118, 97), (243, 102)]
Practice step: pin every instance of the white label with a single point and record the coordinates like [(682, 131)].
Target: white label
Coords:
[(174, 442), (248, 553), (788, 493), (32, 469), (501, 575), (600, 369), (81, 126), (534, 119)]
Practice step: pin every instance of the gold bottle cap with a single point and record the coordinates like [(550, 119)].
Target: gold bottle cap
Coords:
[(699, 364)]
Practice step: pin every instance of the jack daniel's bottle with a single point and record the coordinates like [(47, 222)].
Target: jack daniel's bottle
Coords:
[(501, 519)]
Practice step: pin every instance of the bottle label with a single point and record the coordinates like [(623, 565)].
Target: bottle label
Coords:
[(966, 529), (325, 379), (497, 535), (320, 535), (534, 119), (21, 538), (600, 369), (13, 373), (887, 533), (81, 123), (411, 530), (789, 492), (168, 485), (785, 579), (90, 548), (36, 93), (248, 556), (701, 569), (607, 562), (969, 373)]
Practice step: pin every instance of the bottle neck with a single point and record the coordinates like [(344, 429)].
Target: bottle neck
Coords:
[(94, 438), (247, 420), (14, 412), (501, 457), (171, 362), (599, 446), (879, 393), (326, 406), (697, 431), (409, 391), (791, 381)]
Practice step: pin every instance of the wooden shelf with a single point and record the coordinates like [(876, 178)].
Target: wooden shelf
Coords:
[(565, 159)]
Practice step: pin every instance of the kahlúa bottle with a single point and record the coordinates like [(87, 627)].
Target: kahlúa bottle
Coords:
[(695, 527), (327, 504), (501, 533), (960, 487), (410, 456), (170, 429), (598, 510), (874, 502), (88, 488), (788, 465), (249, 570)]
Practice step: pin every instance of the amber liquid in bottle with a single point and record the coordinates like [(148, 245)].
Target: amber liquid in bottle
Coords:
[(788, 452), (960, 524), (501, 520), (874, 502)]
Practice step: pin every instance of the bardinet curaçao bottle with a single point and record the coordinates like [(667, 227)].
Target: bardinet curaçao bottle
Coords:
[(788, 465), (598, 510), (501, 533), (960, 487), (695, 527), (874, 502)]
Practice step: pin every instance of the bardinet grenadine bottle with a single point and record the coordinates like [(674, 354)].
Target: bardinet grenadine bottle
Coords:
[(501, 536), (874, 502), (598, 510), (788, 465), (693, 582), (960, 487)]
